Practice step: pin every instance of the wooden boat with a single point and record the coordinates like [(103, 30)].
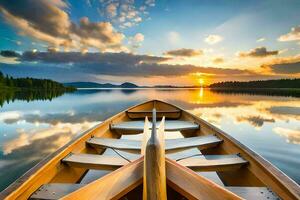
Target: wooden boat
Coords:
[(104, 163)]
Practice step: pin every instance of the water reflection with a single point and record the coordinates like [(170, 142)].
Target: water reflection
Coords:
[(30, 95), (31, 130), (60, 133), (291, 135)]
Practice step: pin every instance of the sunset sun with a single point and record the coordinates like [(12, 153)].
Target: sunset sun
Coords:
[(201, 81), (92, 83)]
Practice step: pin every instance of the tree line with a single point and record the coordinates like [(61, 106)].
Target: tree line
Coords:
[(281, 83), (11, 83)]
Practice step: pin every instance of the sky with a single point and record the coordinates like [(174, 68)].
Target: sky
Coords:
[(150, 42)]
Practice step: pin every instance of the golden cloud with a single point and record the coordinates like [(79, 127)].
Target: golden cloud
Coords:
[(293, 35), (258, 52)]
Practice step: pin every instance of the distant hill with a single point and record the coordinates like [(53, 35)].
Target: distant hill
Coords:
[(281, 83), (123, 85), (99, 85)]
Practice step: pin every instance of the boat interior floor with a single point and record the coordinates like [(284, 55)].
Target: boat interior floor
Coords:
[(186, 151)]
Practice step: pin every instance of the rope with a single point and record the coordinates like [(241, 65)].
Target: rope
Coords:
[(120, 155), (198, 154)]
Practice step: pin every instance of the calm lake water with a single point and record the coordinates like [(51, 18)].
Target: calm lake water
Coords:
[(31, 130)]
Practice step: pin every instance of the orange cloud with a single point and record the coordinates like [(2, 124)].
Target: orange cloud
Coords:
[(258, 52), (293, 35)]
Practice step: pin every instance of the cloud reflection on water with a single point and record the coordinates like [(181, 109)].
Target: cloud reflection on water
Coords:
[(34, 130), (291, 135), (64, 132)]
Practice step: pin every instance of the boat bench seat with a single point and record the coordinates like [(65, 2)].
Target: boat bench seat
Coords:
[(137, 126), (141, 114), (202, 142), (197, 163), (213, 162), (94, 161)]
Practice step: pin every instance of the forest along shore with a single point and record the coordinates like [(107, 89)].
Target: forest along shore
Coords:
[(30, 89), (282, 87)]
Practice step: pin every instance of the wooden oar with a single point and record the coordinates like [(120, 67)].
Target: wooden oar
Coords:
[(154, 182)]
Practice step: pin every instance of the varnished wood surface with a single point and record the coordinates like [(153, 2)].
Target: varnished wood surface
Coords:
[(202, 142), (141, 114), (54, 191), (137, 126), (214, 162), (193, 186), (256, 193), (51, 169), (257, 173), (113, 185), (154, 181), (94, 161)]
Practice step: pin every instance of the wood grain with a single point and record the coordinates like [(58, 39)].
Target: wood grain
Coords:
[(113, 185), (154, 182), (194, 186)]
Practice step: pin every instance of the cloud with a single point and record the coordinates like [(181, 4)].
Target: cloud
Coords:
[(261, 39), (139, 37), (150, 2), (218, 60), (9, 54), (9, 116), (50, 23), (288, 65), (26, 138), (184, 52), (114, 64), (111, 9), (125, 13), (293, 35), (285, 110), (213, 39), (97, 58), (136, 40), (285, 68), (100, 35), (291, 135), (257, 121), (258, 52)]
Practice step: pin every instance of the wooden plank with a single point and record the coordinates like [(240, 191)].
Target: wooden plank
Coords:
[(157, 112), (54, 191), (137, 126), (51, 169), (214, 162), (257, 193), (194, 186), (113, 185), (94, 161), (146, 136), (154, 164), (259, 172), (141, 114), (121, 144), (193, 152), (188, 153), (202, 142)]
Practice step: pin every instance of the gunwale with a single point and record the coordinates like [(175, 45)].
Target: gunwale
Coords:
[(272, 177)]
